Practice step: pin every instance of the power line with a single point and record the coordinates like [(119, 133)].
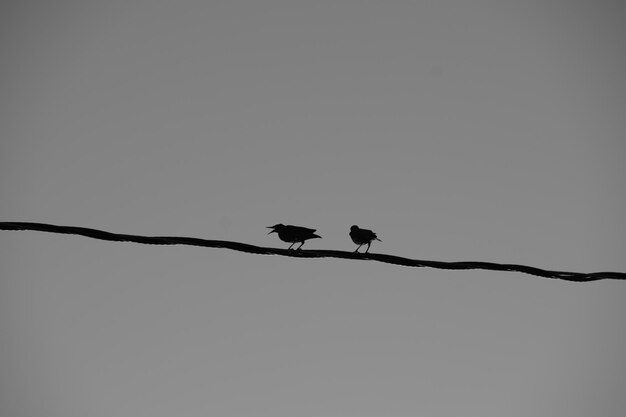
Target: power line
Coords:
[(306, 253)]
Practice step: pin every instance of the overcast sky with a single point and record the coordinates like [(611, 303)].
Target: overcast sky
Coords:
[(487, 130)]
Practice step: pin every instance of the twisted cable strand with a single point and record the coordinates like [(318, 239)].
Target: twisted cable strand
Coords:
[(306, 253)]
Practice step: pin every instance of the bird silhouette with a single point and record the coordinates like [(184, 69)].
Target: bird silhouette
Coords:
[(362, 237), (293, 234)]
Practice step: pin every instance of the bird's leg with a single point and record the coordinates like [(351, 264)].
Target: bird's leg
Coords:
[(301, 243), (368, 247), (290, 245), (357, 249)]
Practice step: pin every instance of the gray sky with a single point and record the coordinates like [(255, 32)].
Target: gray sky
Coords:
[(457, 130)]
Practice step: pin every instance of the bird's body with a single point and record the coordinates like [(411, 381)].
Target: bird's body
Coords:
[(362, 237), (293, 234)]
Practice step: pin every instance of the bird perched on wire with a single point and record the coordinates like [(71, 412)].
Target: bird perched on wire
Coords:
[(362, 237), (293, 234)]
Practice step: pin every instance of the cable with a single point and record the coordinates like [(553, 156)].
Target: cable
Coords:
[(317, 253)]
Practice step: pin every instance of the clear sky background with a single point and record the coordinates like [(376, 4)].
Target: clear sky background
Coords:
[(457, 130)]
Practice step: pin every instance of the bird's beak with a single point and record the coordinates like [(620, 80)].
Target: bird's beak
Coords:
[(271, 231)]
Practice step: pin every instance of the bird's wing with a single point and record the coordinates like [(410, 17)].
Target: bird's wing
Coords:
[(370, 235), (303, 229)]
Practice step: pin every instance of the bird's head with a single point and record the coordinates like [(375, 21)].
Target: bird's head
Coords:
[(353, 228), (275, 228)]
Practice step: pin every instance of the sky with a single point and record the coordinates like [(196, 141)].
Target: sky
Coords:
[(458, 130)]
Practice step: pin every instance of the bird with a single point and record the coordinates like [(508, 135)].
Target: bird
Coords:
[(293, 234), (362, 237)]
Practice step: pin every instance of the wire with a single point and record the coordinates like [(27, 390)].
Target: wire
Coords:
[(316, 253)]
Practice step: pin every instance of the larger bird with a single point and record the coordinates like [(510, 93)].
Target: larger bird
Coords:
[(362, 237), (293, 234)]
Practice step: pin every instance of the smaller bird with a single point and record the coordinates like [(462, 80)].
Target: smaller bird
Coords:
[(293, 234), (362, 237)]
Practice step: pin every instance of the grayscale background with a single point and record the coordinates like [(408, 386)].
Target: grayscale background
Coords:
[(487, 130)]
